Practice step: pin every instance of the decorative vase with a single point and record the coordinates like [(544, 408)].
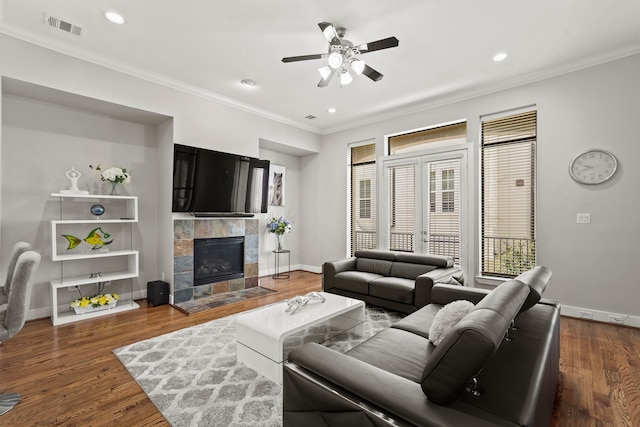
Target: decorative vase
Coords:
[(280, 238), (114, 188)]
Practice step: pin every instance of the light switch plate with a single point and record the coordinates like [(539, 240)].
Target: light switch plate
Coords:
[(583, 218)]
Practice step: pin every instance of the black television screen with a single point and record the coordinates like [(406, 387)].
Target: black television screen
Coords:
[(212, 182)]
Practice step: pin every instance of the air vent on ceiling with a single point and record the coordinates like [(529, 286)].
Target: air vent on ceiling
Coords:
[(310, 117), (62, 25)]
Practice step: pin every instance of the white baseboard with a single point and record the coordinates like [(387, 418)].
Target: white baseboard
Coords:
[(600, 316), (311, 269), (39, 313)]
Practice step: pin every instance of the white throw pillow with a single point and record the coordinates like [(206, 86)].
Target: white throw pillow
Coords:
[(446, 318)]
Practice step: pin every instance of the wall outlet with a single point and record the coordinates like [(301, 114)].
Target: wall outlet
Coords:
[(586, 314), (583, 218)]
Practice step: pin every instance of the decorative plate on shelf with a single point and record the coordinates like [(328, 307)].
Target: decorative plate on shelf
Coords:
[(97, 210)]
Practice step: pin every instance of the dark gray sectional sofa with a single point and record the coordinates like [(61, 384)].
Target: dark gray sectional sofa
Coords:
[(483, 373), (395, 280)]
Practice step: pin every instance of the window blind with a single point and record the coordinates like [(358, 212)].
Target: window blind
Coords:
[(418, 140), (508, 174)]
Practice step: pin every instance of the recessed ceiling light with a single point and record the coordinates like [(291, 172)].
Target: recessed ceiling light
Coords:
[(114, 17), (500, 57), (248, 83), (332, 110)]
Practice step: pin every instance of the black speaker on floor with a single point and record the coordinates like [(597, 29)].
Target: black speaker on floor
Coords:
[(157, 293)]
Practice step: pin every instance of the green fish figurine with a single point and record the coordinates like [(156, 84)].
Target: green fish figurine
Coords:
[(97, 238)]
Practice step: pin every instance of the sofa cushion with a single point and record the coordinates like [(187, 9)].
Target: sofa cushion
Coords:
[(377, 266), (427, 259), (375, 254), (471, 342), (393, 288), (399, 352), (409, 271), (419, 321), (446, 318), (354, 281)]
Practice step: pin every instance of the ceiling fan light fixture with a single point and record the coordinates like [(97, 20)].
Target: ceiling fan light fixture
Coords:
[(357, 65), (325, 71), (345, 77), (335, 60)]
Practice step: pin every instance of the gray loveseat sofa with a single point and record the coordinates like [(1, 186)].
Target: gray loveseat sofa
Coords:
[(395, 280), (483, 373)]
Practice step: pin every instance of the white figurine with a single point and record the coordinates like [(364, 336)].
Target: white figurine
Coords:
[(73, 176), (295, 303)]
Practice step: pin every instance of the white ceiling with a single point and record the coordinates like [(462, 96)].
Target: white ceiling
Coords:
[(445, 51)]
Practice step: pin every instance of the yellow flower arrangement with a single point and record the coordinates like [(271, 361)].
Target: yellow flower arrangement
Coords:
[(95, 301)]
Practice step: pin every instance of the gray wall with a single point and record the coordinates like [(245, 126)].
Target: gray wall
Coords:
[(593, 265), (595, 107), (41, 142), (290, 210)]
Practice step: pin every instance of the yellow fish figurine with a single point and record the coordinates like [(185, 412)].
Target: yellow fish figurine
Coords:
[(96, 238)]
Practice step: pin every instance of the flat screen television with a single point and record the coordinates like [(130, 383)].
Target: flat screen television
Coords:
[(213, 183)]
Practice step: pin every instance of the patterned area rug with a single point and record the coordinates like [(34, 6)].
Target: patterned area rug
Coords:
[(193, 378)]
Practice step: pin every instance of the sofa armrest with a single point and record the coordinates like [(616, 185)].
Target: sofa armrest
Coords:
[(331, 268), (314, 381), (443, 294), (426, 281)]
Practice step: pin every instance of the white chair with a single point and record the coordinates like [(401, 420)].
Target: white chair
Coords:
[(18, 249), (14, 313)]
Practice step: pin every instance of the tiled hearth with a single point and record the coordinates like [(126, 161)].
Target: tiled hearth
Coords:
[(184, 233)]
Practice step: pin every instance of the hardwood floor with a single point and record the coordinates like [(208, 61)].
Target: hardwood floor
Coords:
[(68, 376)]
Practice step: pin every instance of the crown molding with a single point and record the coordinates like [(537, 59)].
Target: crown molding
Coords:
[(427, 103), (487, 89), (160, 79)]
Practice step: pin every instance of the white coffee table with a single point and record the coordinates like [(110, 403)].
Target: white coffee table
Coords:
[(261, 333)]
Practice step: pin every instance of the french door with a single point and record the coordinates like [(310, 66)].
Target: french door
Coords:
[(426, 204)]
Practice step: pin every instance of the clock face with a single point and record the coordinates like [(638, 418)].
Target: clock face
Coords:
[(593, 167)]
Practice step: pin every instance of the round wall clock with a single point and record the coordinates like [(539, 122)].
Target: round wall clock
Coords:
[(594, 166)]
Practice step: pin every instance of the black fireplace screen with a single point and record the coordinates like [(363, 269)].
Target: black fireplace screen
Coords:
[(217, 260)]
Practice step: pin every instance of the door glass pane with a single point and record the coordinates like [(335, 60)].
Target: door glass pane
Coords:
[(442, 218), (402, 208)]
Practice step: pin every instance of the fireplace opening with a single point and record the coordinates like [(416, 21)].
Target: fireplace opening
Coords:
[(217, 260)]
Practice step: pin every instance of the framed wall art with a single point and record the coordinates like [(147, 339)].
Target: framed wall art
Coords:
[(276, 185)]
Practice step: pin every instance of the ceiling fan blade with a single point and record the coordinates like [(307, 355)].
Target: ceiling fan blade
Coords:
[(329, 32), (325, 82), (378, 45), (372, 74), (304, 57)]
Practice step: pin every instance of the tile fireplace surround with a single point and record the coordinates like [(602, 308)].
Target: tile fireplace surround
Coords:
[(186, 230)]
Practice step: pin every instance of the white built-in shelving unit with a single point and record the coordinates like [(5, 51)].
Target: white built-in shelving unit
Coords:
[(85, 267)]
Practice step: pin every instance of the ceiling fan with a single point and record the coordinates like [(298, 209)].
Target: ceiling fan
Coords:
[(343, 56)]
